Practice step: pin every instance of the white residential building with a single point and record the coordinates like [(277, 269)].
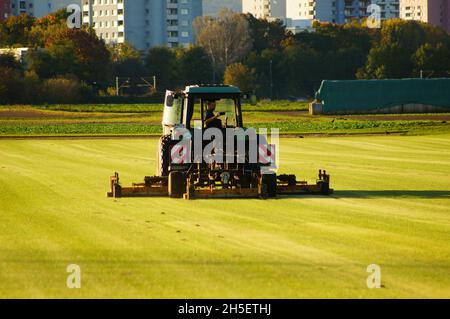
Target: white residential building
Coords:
[(311, 10), (143, 23), (264, 9), (39, 8), (340, 11), (436, 12)]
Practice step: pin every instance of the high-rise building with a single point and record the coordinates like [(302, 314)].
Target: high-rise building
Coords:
[(339, 11), (264, 9), (143, 23), (436, 12), (39, 8), (312, 10), (5, 9)]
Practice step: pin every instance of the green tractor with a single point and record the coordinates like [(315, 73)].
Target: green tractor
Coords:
[(205, 151)]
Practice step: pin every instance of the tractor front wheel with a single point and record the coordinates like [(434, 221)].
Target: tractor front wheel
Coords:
[(163, 156)]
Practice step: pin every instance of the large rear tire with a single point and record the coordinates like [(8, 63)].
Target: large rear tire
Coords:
[(177, 184), (163, 156)]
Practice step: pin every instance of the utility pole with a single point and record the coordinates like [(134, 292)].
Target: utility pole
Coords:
[(271, 81)]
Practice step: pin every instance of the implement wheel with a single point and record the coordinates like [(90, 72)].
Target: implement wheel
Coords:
[(177, 184), (268, 185)]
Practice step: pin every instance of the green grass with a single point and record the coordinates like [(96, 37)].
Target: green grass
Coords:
[(11, 128), (391, 207), (118, 119), (80, 129)]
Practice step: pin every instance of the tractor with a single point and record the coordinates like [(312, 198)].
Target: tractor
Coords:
[(206, 151)]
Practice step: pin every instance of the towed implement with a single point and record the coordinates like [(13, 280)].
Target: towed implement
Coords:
[(206, 152)]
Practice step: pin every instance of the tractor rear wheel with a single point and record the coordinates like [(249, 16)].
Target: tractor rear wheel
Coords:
[(177, 184), (269, 185), (163, 155)]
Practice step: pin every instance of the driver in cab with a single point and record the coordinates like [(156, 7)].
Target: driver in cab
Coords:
[(211, 119)]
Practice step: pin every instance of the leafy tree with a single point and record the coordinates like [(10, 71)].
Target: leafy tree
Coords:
[(9, 85), (266, 34), (46, 27), (161, 62), (15, 30), (127, 61), (306, 69), (8, 60), (81, 53), (42, 64), (123, 51), (194, 66), (226, 39), (241, 76), (396, 55), (433, 59), (63, 60), (270, 70)]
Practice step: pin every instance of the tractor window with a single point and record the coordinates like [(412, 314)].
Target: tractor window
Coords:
[(226, 109), (197, 114)]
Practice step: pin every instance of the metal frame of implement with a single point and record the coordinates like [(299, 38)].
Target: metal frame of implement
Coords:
[(154, 186)]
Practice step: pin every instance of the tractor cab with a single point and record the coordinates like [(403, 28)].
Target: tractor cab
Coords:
[(190, 108)]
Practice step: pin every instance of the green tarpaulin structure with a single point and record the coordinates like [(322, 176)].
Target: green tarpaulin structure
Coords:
[(370, 95)]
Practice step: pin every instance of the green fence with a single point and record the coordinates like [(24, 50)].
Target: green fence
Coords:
[(371, 95)]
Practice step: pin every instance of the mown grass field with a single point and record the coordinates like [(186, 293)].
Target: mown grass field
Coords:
[(391, 207)]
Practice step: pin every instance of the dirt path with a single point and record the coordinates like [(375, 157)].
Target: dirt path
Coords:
[(27, 114)]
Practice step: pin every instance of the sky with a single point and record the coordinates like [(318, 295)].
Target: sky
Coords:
[(211, 7)]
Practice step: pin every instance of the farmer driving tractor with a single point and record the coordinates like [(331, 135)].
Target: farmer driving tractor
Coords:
[(211, 119)]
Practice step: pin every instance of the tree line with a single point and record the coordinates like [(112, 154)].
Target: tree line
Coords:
[(260, 56)]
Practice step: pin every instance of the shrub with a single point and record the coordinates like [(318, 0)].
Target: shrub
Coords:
[(65, 90), (10, 85)]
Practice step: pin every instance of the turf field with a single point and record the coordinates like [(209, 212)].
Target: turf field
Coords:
[(391, 207)]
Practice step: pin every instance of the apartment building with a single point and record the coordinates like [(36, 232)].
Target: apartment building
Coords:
[(265, 9), (311, 10), (436, 12), (38, 8), (143, 23), (339, 11), (5, 9)]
